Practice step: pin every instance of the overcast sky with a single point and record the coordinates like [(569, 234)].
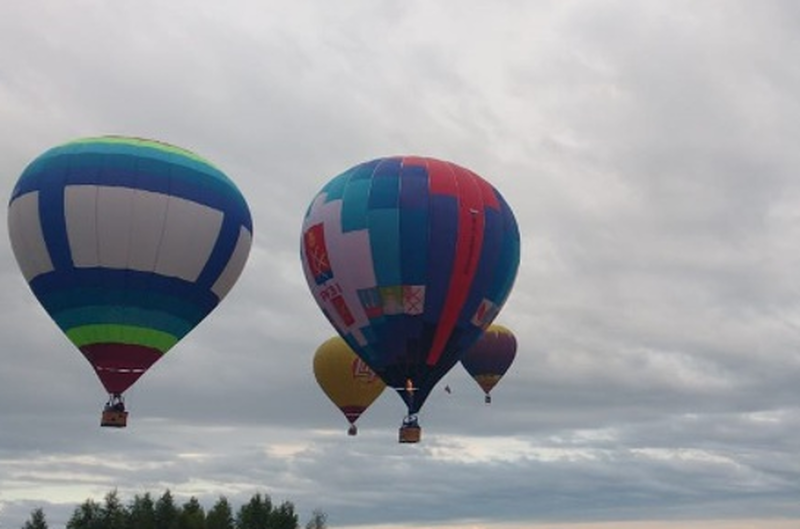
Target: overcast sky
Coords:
[(649, 151)]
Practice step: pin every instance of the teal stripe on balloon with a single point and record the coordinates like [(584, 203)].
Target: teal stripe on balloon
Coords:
[(60, 301), (129, 316), (365, 170), (155, 149), (143, 150), (354, 208), (334, 190), (385, 191)]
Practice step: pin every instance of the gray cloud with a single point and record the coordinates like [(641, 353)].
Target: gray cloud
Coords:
[(647, 150)]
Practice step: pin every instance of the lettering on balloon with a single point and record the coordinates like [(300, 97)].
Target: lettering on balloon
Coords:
[(329, 292), (340, 305), (361, 371)]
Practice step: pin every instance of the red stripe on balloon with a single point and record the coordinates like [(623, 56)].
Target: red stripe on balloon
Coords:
[(441, 179), (119, 365), (418, 161), (471, 222), (352, 413)]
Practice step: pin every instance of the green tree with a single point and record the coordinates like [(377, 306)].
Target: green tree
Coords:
[(221, 515), (37, 520), (192, 515), (255, 514), (283, 517), (141, 512), (88, 515), (113, 512), (319, 520), (166, 512)]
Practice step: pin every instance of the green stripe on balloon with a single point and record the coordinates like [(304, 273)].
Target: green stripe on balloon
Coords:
[(122, 315), (143, 142), (127, 334)]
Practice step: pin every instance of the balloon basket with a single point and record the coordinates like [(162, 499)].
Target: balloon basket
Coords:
[(352, 430), (487, 399), (410, 434), (114, 419)]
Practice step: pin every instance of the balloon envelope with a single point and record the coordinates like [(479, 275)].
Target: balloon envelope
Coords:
[(410, 259), (347, 381), (490, 357), (128, 244)]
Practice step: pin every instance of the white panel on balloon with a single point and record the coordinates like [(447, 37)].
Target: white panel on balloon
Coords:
[(190, 232), (27, 240)]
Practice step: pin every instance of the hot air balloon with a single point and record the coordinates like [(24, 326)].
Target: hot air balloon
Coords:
[(347, 381), (128, 244), (410, 259), (490, 357)]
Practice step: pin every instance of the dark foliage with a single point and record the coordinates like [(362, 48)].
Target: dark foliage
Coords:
[(164, 513)]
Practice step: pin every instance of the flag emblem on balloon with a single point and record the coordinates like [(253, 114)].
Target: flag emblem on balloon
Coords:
[(314, 241), (413, 299), (372, 302), (392, 298)]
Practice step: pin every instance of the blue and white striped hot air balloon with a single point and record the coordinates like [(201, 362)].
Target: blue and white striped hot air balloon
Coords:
[(128, 244)]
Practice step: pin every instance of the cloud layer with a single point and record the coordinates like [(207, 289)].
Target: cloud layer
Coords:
[(648, 151)]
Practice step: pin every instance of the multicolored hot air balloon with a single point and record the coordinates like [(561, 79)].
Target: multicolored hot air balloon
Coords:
[(347, 381), (128, 244), (490, 357), (410, 259)]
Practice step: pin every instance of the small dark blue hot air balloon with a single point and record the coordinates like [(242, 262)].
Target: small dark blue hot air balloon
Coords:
[(410, 259), (490, 357), (128, 244)]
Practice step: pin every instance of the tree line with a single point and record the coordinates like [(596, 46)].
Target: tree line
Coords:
[(146, 512)]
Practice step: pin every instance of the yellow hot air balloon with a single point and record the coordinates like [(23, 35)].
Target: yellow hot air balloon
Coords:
[(350, 384)]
